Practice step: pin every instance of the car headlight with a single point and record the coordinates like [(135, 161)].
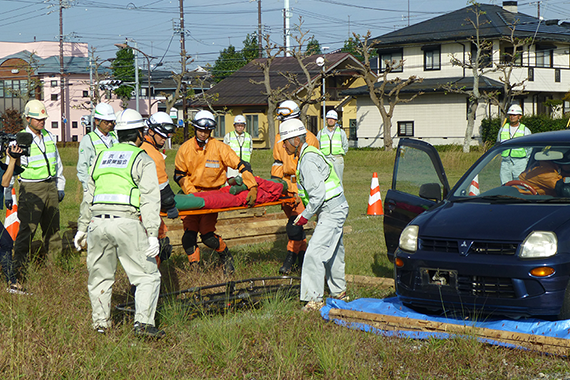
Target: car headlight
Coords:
[(539, 244), (409, 239)]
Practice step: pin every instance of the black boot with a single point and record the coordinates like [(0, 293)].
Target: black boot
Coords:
[(288, 263), (299, 264), (227, 262)]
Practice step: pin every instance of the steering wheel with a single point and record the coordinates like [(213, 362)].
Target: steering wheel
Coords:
[(524, 184)]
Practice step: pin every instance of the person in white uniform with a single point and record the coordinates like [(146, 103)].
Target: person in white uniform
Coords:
[(241, 142), (333, 143), (119, 220), (322, 194), (102, 137)]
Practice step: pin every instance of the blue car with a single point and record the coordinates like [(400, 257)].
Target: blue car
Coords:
[(498, 242)]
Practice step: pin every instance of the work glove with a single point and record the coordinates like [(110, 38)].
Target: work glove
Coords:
[(251, 196), (172, 213), (60, 195), (153, 247), (80, 240), (300, 220)]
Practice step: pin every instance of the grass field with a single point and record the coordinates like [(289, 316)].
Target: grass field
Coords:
[(48, 335)]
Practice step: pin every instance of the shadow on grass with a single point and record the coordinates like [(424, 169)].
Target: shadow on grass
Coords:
[(381, 266)]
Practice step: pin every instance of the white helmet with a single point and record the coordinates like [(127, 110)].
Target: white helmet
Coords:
[(239, 119), (104, 111), (332, 115), (35, 109), (515, 109), (129, 119), (291, 128), (204, 120), (288, 110), (161, 123)]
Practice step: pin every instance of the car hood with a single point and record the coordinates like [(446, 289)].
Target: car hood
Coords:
[(503, 222)]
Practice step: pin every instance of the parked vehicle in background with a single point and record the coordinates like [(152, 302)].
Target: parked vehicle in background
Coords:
[(483, 247)]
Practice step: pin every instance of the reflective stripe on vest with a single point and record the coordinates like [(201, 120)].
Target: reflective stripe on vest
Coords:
[(41, 165), (505, 135), (113, 178), (332, 183), (98, 142), (243, 151), (328, 145)]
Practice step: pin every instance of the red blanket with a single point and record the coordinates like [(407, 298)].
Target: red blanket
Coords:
[(268, 191)]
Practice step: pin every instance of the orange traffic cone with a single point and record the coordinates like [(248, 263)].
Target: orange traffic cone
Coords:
[(375, 200), (12, 223)]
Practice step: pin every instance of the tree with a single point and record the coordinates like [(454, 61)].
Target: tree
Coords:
[(386, 95), (124, 70), (12, 121), (313, 47), (351, 47), (230, 60)]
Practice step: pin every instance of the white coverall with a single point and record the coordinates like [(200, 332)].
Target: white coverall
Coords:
[(116, 232), (87, 154), (324, 258), (338, 159)]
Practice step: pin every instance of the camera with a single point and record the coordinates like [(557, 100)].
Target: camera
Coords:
[(22, 139)]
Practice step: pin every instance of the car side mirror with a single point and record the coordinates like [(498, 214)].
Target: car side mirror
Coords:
[(431, 191)]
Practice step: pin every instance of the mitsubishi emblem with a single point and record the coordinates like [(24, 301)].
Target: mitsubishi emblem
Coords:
[(464, 247)]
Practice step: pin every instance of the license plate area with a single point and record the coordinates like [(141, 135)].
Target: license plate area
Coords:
[(439, 277)]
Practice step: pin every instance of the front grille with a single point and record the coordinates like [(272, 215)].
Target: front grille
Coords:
[(478, 247), (493, 287)]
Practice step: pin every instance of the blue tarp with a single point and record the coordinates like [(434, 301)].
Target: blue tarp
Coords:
[(393, 307)]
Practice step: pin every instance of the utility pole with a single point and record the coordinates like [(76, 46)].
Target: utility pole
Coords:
[(287, 29), (183, 60), (259, 28), (61, 79)]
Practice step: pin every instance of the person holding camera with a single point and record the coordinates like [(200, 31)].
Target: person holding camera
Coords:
[(42, 186)]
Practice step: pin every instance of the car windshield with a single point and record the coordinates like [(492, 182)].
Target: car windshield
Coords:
[(535, 173)]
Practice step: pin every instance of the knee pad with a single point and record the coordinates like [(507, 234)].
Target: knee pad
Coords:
[(211, 240), (294, 232), (189, 240)]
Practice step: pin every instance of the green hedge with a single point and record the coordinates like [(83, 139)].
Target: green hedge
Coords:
[(536, 124)]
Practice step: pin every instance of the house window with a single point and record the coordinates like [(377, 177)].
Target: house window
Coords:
[(391, 58), (509, 57), (53, 96), (544, 57), (73, 124), (531, 74), (432, 58), (74, 138), (85, 94), (54, 124), (1, 88), (54, 83), (9, 89), (485, 56), (220, 130), (352, 129), (405, 128), (252, 125), (557, 75)]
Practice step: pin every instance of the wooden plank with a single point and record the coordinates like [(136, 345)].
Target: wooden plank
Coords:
[(381, 282), (541, 343)]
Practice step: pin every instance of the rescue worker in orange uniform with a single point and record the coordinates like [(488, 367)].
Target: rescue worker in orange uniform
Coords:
[(284, 167), (161, 128), (201, 164)]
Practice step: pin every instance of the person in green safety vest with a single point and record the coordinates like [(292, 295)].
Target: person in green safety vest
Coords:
[(322, 194), (42, 188), (241, 142), (102, 137), (333, 143), (514, 160), (118, 221)]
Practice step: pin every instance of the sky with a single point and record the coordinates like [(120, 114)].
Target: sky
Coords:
[(213, 25)]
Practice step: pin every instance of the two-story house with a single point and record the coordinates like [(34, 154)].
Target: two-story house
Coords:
[(241, 94), (439, 116)]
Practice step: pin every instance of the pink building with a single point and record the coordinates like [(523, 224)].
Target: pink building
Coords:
[(43, 57)]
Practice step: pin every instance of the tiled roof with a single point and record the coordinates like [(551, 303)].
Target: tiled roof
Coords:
[(495, 23), (433, 85), (72, 65), (237, 89)]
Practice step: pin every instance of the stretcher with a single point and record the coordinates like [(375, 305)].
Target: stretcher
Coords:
[(203, 211), (232, 295)]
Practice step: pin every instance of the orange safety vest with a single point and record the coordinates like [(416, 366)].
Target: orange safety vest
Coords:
[(158, 159)]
